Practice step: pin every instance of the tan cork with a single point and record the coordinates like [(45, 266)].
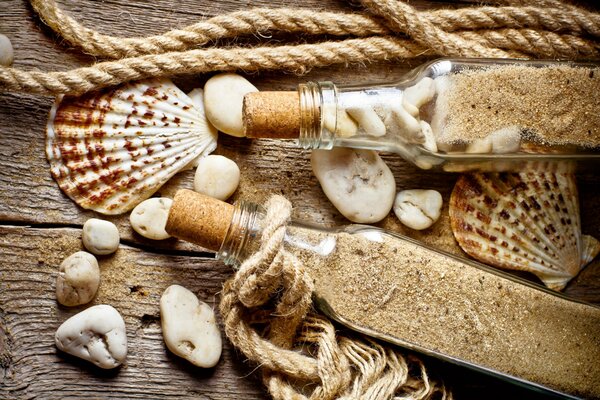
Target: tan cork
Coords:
[(271, 115), (199, 219)]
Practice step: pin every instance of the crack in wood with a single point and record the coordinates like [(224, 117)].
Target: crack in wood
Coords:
[(127, 242), (148, 320)]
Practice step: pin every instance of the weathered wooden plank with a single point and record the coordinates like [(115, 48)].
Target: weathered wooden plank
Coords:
[(30, 195), (132, 281)]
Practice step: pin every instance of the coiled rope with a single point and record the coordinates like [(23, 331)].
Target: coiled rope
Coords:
[(388, 29), (266, 309)]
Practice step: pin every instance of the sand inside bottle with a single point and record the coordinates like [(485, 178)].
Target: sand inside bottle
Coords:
[(450, 307), (553, 106), (495, 109)]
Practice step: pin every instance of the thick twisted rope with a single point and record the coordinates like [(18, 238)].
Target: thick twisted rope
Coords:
[(293, 58), (397, 31), (287, 20), (273, 282)]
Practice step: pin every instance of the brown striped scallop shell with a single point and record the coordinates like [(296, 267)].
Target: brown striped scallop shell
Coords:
[(110, 150), (522, 221)]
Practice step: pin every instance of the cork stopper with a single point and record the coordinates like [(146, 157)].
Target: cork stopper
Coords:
[(272, 115), (199, 219)]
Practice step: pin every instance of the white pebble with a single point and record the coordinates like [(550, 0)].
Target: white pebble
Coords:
[(420, 93), (223, 100), (100, 237), (149, 218), (342, 126), (96, 335), (411, 109), (480, 146), (506, 140), (6, 51), (418, 208), (189, 327), (405, 124), (368, 120), (446, 147), (217, 176), (423, 162), (439, 117), (78, 279), (357, 182), (429, 142)]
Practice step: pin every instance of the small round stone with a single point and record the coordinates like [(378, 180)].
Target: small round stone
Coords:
[(6, 51), (223, 100), (78, 279), (357, 182), (96, 334), (189, 327), (217, 176), (418, 208), (100, 237), (149, 218)]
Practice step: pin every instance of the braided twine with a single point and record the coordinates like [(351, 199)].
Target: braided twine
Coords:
[(386, 30), (266, 308)]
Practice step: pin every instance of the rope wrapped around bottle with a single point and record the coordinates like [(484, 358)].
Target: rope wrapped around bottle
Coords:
[(267, 312), (386, 29)]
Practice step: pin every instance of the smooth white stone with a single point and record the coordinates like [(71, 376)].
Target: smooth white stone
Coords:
[(100, 237), (411, 109), (357, 182), (418, 208), (189, 327), (506, 140), (429, 142), (439, 117), (6, 51), (421, 93), (423, 162), (446, 147), (408, 128), (480, 146), (223, 100), (346, 126), (217, 176), (149, 218), (197, 96), (78, 279), (368, 120), (96, 335)]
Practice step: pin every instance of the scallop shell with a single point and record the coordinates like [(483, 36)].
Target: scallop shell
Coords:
[(110, 150), (522, 221)]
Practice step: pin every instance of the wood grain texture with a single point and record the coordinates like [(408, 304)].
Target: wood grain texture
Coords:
[(134, 278), (132, 281)]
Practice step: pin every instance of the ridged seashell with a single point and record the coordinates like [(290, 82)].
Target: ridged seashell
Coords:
[(522, 221), (110, 150)]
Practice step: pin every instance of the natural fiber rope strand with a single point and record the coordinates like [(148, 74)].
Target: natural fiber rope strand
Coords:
[(236, 24), (428, 40), (343, 367), (297, 58)]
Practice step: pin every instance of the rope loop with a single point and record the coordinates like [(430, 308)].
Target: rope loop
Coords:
[(266, 308)]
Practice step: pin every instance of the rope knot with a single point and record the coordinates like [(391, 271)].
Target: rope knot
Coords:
[(266, 312), (391, 29)]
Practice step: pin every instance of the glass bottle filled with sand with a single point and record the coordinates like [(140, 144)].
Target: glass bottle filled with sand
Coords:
[(450, 114), (399, 290)]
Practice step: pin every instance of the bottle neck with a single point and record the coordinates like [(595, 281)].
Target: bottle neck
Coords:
[(243, 234), (318, 100)]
